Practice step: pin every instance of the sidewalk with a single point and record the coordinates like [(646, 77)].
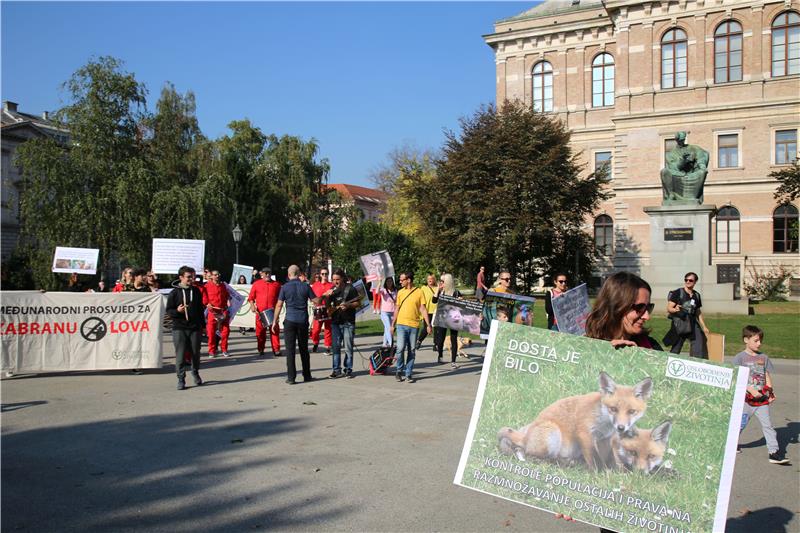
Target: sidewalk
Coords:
[(115, 451)]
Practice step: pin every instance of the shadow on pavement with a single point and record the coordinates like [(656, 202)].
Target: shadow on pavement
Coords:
[(202, 470), (774, 519), (20, 405)]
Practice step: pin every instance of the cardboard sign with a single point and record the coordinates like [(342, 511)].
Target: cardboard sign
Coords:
[(458, 314), (169, 255), (241, 270), (506, 307), (571, 310), (362, 293), (543, 431), (75, 260), (377, 266)]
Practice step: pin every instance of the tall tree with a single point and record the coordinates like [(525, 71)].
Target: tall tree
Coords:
[(507, 193), (73, 195), (366, 237), (789, 179)]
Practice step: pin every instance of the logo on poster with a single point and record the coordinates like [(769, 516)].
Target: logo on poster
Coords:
[(701, 373), (93, 329)]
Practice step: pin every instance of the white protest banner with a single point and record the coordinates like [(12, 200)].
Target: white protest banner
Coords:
[(169, 255), (241, 270), (243, 317), (77, 260), (543, 431), (377, 266), (571, 309), (458, 314), (59, 331)]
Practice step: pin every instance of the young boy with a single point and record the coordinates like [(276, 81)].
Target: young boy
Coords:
[(759, 389)]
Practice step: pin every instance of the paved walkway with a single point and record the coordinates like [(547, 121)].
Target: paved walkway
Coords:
[(112, 451)]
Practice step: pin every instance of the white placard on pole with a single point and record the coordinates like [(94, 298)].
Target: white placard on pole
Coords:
[(77, 260), (169, 255)]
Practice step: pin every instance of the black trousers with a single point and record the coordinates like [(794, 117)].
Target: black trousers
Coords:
[(186, 340), (698, 347), (296, 332), (439, 335)]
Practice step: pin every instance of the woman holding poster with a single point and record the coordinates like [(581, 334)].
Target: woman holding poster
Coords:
[(447, 288), (621, 311)]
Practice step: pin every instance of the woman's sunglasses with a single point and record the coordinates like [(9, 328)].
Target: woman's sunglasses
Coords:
[(641, 308)]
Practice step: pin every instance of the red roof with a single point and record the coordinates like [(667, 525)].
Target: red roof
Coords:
[(356, 192)]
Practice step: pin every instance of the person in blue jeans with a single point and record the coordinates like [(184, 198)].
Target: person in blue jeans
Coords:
[(410, 306), (344, 301)]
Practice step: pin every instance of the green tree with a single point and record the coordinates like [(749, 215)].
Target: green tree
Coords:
[(507, 193), (366, 237), (789, 179), (73, 195)]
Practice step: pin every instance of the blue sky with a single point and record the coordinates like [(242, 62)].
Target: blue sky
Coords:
[(361, 78)]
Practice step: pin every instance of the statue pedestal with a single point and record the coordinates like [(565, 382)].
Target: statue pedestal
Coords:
[(680, 242)]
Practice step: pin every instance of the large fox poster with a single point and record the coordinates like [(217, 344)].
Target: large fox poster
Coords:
[(632, 440)]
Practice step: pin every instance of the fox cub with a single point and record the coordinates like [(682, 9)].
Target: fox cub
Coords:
[(580, 427), (641, 449)]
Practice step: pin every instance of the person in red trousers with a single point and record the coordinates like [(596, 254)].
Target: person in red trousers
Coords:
[(321, 317), (263, 297), (217, 300)]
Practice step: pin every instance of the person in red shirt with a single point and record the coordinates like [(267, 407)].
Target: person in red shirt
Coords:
[(321, 317), (217, 301), (263, 297)]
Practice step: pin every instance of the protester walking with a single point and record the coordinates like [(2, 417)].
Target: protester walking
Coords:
[(388, 294), (295, 295), (322, 322), (217, 300), (428, 292), (411, 304), (480, 284), (446, 288), (344, 300), (683, 306), (263, 297), (560, 288), (185, 306)]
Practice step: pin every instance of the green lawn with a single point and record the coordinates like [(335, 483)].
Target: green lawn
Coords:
[(779, 320)]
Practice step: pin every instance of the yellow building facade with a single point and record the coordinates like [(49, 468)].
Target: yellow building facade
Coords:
[(626, 75)]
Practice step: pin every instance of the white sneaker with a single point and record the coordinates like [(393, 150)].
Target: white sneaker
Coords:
[(225, 354)]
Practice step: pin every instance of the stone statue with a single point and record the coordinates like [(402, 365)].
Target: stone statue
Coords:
[(684, 174)]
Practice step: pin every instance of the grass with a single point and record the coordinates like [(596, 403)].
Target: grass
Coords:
[(696, 443), (779, 320)]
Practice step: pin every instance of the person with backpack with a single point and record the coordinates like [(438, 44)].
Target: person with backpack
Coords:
[(683, 306)]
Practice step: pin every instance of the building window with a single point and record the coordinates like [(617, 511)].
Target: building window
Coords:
[(785, 147), (728, 237), (602, 160), (728, 150), (603, 235), (728, 52), (784, 229), (786, 44), (603, 80), (669, 144), (673, 59), (542, 86)]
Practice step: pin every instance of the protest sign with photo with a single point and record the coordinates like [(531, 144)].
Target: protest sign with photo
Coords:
[(377, 266), (237, 300), (506, 307), (571, 309), (241, 270), (243, 317), (363, 297), (56, 331), (169, 255), (77, 260), (543, 431), (458, 314)]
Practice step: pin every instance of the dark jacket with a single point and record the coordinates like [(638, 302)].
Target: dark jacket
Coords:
[(194, 303)]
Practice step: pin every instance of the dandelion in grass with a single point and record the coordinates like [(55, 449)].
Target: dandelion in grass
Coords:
[(671, 451), (667, 465), (709, 467)]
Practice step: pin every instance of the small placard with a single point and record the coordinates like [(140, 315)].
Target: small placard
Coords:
[(678, 234)]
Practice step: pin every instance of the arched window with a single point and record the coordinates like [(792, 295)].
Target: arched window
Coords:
[(543, 86), (603, 80), (728, 236), (728, 52), (786, 44), (673, 59), (604, 235), (784, 229)]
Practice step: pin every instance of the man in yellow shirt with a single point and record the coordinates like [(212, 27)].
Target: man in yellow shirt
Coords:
[(504, 282), (429, 291), (410, 305)]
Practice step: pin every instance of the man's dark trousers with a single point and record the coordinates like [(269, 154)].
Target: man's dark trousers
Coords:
[(296, 332), (186, 340)]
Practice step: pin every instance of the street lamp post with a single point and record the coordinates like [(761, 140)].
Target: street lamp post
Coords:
[(237, 237)]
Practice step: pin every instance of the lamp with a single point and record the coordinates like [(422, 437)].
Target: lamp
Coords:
[(237, 237)]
